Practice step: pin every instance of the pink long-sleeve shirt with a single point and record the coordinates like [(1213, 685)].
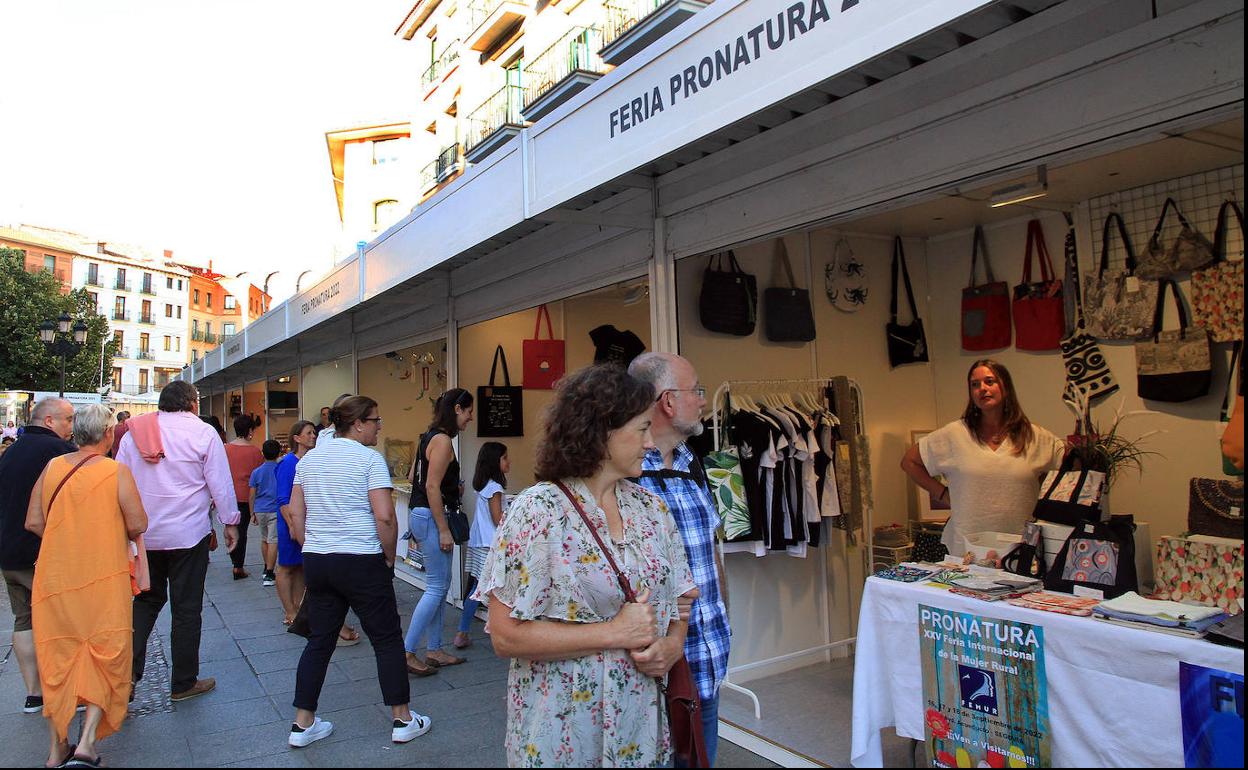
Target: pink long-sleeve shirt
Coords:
[(178, 490)]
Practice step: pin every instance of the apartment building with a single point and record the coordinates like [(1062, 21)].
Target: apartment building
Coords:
[(218, 307), (376, 158), (493, 67), (43, 251)]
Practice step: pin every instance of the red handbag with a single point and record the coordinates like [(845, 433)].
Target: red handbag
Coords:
[(985, 306), (684, 706), (1039, 310), (543, 359)]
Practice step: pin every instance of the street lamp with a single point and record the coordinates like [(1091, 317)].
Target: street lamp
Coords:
[(59, 342)]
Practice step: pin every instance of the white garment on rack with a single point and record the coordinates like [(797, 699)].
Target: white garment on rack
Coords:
[(756, 547), (810, 479)]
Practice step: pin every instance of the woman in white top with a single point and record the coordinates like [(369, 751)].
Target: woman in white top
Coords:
[(342, 512), (992, 460), (490, 482)]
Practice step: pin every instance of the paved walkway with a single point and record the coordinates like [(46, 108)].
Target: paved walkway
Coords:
[(245, 721)]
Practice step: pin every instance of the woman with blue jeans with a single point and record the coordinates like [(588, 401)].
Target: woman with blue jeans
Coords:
[(436, 489)]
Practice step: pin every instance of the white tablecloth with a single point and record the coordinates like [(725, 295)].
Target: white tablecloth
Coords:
[(1113, 691)]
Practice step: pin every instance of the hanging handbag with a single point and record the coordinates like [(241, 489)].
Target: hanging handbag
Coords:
[(300, 626), (1039, 313), (986, 306), (1190, 250), (845, 278), (543, 358), (1097, 555), (684, 707), (1218, 290), (788, 315), (500, 408), (1228, 401), (1174, 365), (907, 344), (728, 302), (1118, 304), (457, 522), (1086, 367), (1216, 507), (1069, 496)]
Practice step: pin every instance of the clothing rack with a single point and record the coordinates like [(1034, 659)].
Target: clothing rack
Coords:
[(781, 386)]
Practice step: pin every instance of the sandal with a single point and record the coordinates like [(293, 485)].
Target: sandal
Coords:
[(462, 641), (416, 669), (351, 639), (68, 755), (451, 660), (77, 761)]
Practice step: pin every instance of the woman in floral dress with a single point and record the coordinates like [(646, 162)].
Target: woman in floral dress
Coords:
[(582, 691)]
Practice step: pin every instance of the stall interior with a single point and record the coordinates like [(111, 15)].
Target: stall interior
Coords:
[(782, 604), (323, 382), (405, 383), (282, 407), (254, 406)]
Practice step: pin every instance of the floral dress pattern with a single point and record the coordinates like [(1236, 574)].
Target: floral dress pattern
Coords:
[(597, 710)]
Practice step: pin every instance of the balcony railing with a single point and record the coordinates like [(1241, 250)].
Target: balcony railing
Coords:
[(147, 318), (210, 337), (121, 285), (197, 335), (489, 19), (631, 25), (441, 67), (429, 176), (570, 65), (499, 111), (123, 353), (120, 315), (146, 288), (146, 355), (127, 389), (94, 280), (449, 161)]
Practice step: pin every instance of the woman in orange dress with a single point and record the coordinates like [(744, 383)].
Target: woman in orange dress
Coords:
[(86, 508)]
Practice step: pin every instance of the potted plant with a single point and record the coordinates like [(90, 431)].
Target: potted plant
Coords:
[(1097, 448)]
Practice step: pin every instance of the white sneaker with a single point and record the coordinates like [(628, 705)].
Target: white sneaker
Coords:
[(303, 736), (406, 731)]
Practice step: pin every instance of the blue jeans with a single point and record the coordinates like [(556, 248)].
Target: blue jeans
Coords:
[(710, 729), (427, 617)]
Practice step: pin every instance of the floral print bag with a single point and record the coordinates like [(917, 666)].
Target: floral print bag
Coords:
[(1218, 290), (1117, 305)]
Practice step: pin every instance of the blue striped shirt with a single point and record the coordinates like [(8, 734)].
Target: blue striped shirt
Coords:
[(709, 638)]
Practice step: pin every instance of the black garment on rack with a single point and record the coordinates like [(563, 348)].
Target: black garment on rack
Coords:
[(751, 435)]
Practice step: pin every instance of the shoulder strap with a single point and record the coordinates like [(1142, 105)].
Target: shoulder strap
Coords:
[(1072, 265), (1236, 352), (977, 245), (1035, 237), (1161, 220), (499, 355), (784, 258), (1221, 231), (899, 258), (629, 596), (1115, 217), (1159, 313), (542, 312), (72, 471)]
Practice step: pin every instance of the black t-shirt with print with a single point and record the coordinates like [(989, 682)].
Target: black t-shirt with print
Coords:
[(612, 346)]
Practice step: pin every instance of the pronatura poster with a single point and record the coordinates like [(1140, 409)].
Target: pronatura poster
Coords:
[(985, 698), (1213, 716)]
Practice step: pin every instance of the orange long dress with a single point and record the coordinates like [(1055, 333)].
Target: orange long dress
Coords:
[(81, 601)]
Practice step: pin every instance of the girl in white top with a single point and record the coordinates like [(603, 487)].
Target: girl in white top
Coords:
[(489, 481), (992, 460)]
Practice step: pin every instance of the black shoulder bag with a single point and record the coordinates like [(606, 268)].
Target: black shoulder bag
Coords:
[(907, 344)]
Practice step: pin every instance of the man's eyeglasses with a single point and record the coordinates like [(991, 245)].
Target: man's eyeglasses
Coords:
[(700, 390)]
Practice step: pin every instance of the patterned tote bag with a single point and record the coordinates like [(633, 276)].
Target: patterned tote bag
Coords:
[(1118, 305), (1086, 367), (1218, 290)]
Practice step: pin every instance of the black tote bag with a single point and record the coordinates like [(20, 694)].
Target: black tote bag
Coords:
[(1176, 364), (907, 344), (728, 302), (1097, 555), (500, 408), (789, 317)]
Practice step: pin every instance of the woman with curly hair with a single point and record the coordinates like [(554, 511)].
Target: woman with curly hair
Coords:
[(582, 690)]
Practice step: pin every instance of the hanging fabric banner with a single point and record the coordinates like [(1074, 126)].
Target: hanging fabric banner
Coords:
[(1212, 703), (985, 696)]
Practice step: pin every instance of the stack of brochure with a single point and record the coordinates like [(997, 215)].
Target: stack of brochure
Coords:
[(993, 587), (1063, 604), (1135, 611)]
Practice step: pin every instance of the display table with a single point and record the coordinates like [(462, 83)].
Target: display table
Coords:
[(1113, 692)]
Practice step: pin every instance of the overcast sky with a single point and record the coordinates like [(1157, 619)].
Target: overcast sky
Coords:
[(193, 126)]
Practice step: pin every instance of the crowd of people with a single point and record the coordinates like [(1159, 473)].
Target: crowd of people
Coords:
[(617, 488)]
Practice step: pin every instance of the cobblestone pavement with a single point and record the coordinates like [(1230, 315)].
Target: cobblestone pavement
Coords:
[(244, 722)]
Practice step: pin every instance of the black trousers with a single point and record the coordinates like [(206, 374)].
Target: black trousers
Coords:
[(336, 582), (244, 520), (177, 577)]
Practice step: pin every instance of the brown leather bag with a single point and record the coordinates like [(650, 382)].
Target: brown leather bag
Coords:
[(684, 707)]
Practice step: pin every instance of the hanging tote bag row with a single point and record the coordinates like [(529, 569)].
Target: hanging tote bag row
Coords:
[(543, 358), (728, 302), (1175, 365), (1119, 304), (500, 408), (1086, 367), (1189, 251), (985, 306), (907, 344), (1218, 290), (788, 315), (1039, 312)]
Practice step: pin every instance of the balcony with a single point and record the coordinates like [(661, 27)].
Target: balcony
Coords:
[(197, 335), (449, 162), (125, 353), (631, 25), (492, 124), (429, 176), (127, 389), (562, 71), (146, 288), (210, 338), (120, 315), (490, 19), (94, 280), (121, 285), (147, 318), (145, 355), (441, 68)]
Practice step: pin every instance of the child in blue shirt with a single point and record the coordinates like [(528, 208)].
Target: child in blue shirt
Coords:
[(264, 507)]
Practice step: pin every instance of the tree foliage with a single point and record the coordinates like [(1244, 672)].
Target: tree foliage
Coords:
[(26, 301)]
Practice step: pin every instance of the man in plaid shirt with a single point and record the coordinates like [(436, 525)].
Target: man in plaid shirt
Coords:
[(675, 474)]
